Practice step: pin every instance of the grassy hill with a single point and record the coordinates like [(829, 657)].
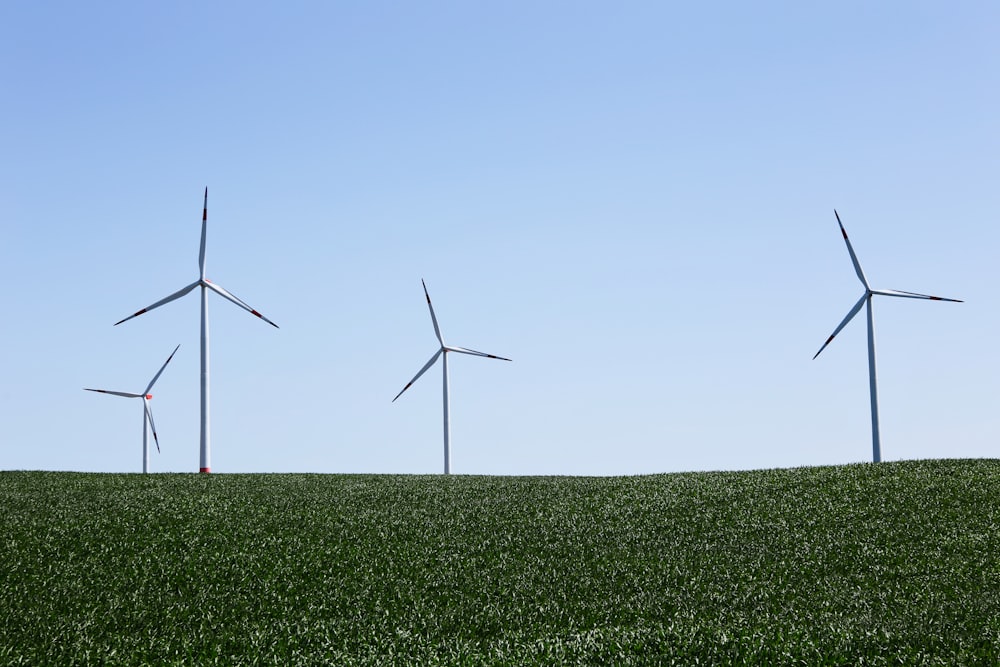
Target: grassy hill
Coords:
[(869, 564)]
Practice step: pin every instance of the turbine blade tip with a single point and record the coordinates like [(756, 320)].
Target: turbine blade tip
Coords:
[(403, 390), (828, 340), (137, 314)]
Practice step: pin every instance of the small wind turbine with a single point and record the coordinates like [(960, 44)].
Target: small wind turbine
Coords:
[(866, 298), (443, 352), (206, 285), (147, 412)]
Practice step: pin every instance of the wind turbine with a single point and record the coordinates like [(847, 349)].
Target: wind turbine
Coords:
[(206, 285), (443, 352), (866, 298), (147, 412)]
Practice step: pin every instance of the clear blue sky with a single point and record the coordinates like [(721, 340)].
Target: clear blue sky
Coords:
[(633, 200)]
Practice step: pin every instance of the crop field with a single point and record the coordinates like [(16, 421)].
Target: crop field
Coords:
[(866, 564)]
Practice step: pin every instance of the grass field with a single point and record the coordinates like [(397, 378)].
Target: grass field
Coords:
[(867, 564)]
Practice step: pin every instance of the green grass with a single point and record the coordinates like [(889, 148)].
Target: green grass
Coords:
[(889, 564)]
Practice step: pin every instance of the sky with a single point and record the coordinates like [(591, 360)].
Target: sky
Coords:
[(633, 201)]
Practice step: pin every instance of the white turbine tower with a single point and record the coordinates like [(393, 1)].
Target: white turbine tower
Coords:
[(443, 352), (866, 298), (147, 411), (206, 285)]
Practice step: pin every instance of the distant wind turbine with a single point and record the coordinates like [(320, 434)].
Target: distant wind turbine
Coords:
[(866, 298), (206, 285), (443, 352), (147, 411)]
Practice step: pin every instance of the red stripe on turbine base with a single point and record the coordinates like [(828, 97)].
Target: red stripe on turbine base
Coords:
[(205, 470)]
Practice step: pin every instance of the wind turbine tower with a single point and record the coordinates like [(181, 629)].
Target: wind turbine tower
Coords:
[(443, 353), (866, 300), (205, 462), (147, 411)]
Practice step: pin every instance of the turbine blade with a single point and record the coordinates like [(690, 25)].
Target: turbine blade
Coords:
[(850, 315), (437, 329), (204, 233), (465, 350), (913, 295), (221, 291), (850, 249), (176, 295), (420, 372), (115, 393), (157, 376), (152, 426)]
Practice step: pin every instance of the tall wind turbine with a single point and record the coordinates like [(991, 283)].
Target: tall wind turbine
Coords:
[(866, 298), (206, 285), (147, 411), (443, 352)]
